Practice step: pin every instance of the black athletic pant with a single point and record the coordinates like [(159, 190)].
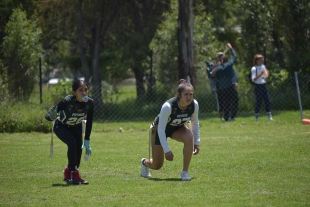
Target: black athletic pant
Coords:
[(72, 137), (228, 100)]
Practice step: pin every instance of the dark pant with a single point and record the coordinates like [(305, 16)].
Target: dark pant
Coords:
[(72, 137), (169, 133), (261, 94), (228, 100)]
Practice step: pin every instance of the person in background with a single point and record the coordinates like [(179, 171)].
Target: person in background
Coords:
[(259, 73), (170, 122), (227, 84), (213, 83), (68, 115)]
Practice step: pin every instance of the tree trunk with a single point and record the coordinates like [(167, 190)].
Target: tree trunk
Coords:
[(279, 45), (185, 41), (139, 74), (85, 66), (137, 68), (96, 39)]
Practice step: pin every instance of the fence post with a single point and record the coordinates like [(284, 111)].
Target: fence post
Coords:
[(298, 95), (40, 76), (151, 75)]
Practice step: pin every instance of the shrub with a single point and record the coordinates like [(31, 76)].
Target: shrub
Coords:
[(21, 117)]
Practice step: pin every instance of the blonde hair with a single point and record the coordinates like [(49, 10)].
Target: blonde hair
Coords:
[(257, 57)]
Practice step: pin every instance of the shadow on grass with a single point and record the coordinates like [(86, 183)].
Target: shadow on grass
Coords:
[(61, 185), (167, 179)]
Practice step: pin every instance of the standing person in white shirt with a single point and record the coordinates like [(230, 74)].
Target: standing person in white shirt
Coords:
[(259, 73), (170, 122)]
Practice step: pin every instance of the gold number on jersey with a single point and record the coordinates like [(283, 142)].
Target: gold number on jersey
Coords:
[(74, 120), (177, 122)]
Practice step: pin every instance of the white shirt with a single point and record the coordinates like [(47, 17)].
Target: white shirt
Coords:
[(256, 70), (163, 119)]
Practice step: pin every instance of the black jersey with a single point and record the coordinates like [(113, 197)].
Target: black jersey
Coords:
[(178, 115), (72, 112)]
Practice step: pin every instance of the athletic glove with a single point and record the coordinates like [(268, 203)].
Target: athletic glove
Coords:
[(53, 112), (87, 146)]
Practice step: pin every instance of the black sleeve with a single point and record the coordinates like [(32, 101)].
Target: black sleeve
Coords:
[(60, 107), (89, 123)]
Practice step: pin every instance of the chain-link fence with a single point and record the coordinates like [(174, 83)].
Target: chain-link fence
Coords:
[(120, 101)]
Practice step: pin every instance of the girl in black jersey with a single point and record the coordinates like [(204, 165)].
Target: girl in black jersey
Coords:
[(170, 122), (68, 115)]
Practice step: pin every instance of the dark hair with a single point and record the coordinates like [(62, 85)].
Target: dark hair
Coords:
[(182, 85), (77, 83)]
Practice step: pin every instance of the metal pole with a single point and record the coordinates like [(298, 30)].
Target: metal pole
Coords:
[(151, 73), (298, 95), (40, 75)]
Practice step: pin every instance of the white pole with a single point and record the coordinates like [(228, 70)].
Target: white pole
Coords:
[(86, 157), (150, 140), (52, 142)]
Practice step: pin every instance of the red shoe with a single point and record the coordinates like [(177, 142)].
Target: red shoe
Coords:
[(76, 178), (67, 175)]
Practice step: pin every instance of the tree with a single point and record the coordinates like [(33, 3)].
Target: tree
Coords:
[(104, 12), (295, 18), (92, 21), (58, 22), (22, 50), (136, 29), (279, 30), (165, 48), (165, 45), (256, 29), (6, 8)]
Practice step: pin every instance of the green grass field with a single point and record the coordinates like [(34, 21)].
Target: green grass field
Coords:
[(241, 163)]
